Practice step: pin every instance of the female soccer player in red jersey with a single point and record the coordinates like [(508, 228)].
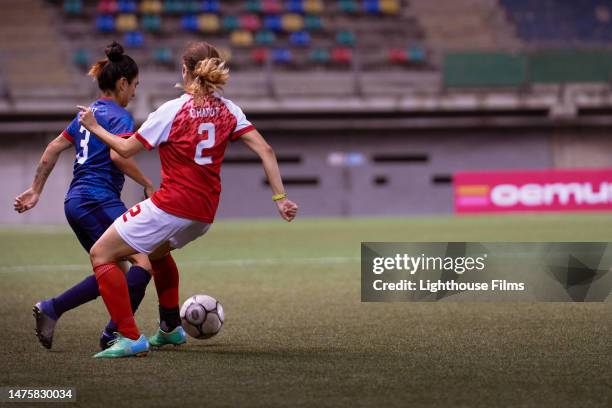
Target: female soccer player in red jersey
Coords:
[(192, 133)]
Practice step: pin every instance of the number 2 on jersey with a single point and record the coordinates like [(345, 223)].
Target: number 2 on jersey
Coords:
[(81, 157), (207, 143)]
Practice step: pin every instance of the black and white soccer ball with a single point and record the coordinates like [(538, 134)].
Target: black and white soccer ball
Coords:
[(202, 316)]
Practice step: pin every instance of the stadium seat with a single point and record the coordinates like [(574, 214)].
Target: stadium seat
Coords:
[(390, 6), (265, 38), (345, 38), (174, 7), (107, 7), (260, 55), (105, 23), (300, 39), (163, 56), (151, 23), (250, 22), (133, 39), (281, 55), (126, 22), (292, 22), (348, 6), (319, 56), (230, 23), (416, 54), (189, 23), (253, 6), (272, 6), (314, 6), (209, 23), (371, 6), (81, 58), (210, 6), (295, 6), (397, 56), (151, 7), (127, 6), (342, 55), (313, 23), (241, 38), (273, 23), (73, 7)]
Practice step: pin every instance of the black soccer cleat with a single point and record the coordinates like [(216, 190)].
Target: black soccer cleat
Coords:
[(45, 326)]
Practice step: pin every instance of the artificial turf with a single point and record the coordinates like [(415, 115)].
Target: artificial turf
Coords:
[(296, 333)]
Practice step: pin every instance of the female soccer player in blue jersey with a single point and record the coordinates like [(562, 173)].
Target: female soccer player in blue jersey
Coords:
[(93, 200)]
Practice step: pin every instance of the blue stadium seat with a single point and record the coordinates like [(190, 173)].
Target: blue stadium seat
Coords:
[(371, 6), (300, 39), (210, 6), (133, 39), (189, 23), (105, 23), (295, 6), (281, 55), (127, 6), (273, 23)]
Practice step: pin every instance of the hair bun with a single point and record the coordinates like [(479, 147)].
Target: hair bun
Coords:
[(114, 52)]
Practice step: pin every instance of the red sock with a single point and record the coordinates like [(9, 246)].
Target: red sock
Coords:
[(114, 290), (166, 279)]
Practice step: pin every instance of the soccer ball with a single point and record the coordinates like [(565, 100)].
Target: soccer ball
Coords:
[(202, 316)]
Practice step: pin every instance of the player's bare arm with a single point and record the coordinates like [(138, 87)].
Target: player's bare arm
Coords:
[(255, 141), (125, 147), (130, 168), (29, 198)]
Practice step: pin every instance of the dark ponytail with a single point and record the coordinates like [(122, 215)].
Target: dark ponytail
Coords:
[(117, 65)]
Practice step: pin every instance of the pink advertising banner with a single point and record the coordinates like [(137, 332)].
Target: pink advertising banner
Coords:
[(533, 190)]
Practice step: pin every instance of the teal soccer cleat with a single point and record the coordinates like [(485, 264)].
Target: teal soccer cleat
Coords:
[(125, 347), (175, 337)]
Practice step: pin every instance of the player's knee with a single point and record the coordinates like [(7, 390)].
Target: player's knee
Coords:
[(97, 255)]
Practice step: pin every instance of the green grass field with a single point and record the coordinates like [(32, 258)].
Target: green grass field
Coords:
[(296, 333)]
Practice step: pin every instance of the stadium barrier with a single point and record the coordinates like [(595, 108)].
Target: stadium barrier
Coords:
[(533, 191)]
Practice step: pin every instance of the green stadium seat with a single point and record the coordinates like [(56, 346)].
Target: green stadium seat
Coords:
[(73, 7), (265, 38), (313, 23), (230, 23), (348, 6), (163, 56), (319, 56), (81, 58), (345, 38), (151, 23), (253, 6)]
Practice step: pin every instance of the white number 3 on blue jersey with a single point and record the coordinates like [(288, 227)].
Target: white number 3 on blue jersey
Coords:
[(81, 157)]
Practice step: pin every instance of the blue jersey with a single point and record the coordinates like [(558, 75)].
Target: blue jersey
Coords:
[(95, 176)]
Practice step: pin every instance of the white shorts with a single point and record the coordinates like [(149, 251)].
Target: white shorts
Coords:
[(145, 227)]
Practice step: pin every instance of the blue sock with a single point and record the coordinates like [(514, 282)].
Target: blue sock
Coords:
[(77, 295), (137, 280)]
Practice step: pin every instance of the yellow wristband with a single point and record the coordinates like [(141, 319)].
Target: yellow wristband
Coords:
[(280, 196)]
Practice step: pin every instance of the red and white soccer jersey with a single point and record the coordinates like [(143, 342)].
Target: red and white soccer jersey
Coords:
[(192, 142)]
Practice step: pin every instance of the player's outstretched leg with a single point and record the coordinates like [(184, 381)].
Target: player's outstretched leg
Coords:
[(47, 312), (166, 277)]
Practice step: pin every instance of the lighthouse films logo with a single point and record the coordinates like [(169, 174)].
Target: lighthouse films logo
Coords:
[(468, 271)]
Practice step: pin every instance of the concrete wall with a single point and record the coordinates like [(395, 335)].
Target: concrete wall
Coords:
[(323, 189)]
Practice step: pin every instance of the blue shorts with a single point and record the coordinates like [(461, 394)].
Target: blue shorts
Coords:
[(89, 219)]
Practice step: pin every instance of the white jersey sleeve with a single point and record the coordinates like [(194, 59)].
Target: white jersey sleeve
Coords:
[(156, 129), (242, 124)]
